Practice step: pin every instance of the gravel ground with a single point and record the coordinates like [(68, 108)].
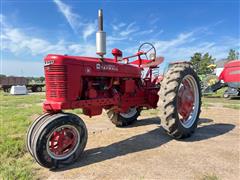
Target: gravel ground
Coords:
[(144, 151)]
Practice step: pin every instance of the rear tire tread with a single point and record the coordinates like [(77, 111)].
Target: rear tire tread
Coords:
[(167, 100)]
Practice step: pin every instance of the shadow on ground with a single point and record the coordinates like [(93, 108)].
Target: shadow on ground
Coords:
[(210, 131), (204, 121), (149, 140), (145, 122), (235, 98)]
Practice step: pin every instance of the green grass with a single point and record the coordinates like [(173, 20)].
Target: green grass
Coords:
[(235, 100), (233, 103), (210, 177), (219, 93), (232, 106), (214, 99), (16, 114)]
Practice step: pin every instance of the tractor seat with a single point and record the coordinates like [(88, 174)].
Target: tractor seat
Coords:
[(153, 64)]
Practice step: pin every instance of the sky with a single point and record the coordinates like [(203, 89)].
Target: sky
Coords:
[(32, 29)]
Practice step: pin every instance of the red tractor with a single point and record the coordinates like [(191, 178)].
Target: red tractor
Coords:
[(116, 85)]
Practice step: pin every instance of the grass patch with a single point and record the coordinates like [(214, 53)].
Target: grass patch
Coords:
[(212, 99), (15, 118), (235, 100), (233, 103), (218, 93), (17, 168), (210, 177), (232, 106), (16, 115)]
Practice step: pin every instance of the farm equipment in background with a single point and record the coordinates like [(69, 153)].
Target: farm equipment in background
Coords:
[(115, 85), (7, 82), (208, 79), (229, 77)]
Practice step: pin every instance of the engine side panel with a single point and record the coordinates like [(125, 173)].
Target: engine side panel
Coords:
[(88, 83)]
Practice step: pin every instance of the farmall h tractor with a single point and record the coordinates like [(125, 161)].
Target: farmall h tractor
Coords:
[(115, 85)]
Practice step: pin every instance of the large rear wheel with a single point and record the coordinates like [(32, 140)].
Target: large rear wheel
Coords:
[(180, 101)]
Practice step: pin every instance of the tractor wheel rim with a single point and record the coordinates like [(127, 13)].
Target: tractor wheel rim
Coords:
[(130, 113), (188, 101), (225, 95), (63, 142)]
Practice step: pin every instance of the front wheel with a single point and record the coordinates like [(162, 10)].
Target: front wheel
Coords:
[(124, 119), (180, 101), (59, 140), (32, 129)]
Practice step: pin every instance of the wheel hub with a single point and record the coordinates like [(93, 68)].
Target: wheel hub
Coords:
[(185, 100), (130, 113), (62, 142), (188, 101)]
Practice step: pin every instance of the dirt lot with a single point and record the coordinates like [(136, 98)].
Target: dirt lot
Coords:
[(144, 151)]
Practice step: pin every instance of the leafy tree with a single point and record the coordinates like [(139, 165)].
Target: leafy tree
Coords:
[(201, 62), (41, 79), (233, 55), (195, 60)]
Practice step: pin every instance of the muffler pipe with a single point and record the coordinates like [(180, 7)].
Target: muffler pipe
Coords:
[(100, 36)]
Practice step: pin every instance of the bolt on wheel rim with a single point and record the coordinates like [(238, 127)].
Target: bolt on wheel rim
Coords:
[(63, 142), (188, 101)]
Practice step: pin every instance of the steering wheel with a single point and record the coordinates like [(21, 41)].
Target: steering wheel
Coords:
[(148, 50)]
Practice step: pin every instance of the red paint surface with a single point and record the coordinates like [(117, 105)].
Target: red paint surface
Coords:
[(88, 83), (231, 72)]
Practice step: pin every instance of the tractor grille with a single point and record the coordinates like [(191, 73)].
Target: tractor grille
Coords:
[(57, 68), (56, 81)]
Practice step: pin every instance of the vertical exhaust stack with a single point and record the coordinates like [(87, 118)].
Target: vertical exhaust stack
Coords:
[(100, 36)]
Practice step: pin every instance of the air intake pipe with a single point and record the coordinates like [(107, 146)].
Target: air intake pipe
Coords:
[(100, 36)]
